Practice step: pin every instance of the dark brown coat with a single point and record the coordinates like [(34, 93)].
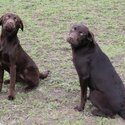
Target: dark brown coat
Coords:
[(95, 71), (13, 58)]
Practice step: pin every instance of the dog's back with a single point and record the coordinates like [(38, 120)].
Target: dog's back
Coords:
[(105, 79)]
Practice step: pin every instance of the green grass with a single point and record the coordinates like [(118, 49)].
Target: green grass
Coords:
[(46, 24)]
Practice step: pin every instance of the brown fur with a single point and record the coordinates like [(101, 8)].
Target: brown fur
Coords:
[(95, 71), (14, 59)]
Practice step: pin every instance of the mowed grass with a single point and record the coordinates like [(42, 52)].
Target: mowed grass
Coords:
[(46, 25)]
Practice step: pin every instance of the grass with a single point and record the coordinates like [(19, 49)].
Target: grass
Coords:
[(46, 24)]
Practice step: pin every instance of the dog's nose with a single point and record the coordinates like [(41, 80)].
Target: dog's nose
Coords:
[(9, 25)]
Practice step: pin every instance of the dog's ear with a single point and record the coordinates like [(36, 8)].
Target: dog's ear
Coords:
[(21, 25), (90, 37), (1, 19)]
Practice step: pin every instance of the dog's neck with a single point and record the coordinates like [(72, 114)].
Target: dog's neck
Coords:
[(8, 37), (82, 50), (83, 47)]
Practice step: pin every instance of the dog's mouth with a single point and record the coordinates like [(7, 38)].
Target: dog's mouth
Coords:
[(9, 29), (72, 41)]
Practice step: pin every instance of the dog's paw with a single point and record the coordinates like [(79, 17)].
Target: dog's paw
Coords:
[(79, 108), (10, 97)]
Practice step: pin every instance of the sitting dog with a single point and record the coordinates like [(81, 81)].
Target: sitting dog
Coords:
[(14, 59), (107, 92)]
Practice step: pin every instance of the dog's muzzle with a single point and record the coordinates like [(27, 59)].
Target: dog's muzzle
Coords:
[(9, 26)]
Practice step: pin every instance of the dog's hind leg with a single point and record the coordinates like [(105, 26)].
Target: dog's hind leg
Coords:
[(31, 77), (122, 113), (32, 83), (99, 100)]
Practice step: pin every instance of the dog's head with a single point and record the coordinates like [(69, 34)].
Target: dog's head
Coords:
[(11, 23), (80, 35)]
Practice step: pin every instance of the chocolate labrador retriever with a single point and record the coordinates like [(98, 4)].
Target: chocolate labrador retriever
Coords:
[(107, 92), (14, 59)]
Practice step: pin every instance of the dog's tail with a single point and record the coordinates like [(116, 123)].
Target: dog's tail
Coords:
[(122, 113), (43, 75)]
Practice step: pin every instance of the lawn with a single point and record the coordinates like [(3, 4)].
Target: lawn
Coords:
[(46, 24)]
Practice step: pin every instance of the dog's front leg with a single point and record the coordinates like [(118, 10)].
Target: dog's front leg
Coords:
[(11, 95), (83, 86), (1, 77)]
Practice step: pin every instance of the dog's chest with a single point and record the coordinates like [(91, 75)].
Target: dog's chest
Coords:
[(5, 54)]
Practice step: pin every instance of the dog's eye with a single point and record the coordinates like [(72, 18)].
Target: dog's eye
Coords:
[(75, 28), (81, 34), (15, 18), (7, 17)]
